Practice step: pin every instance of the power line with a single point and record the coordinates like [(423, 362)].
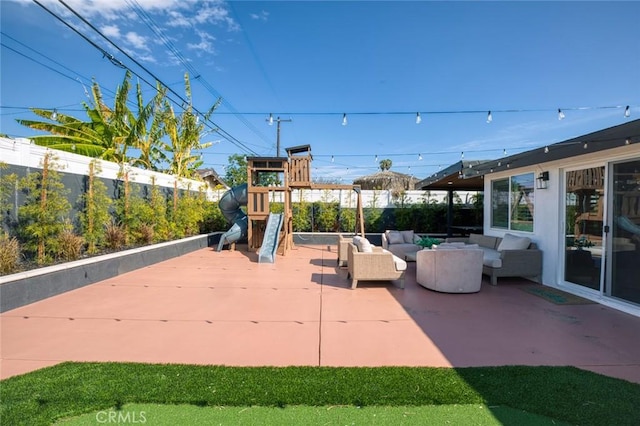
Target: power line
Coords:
[(224, 134), (194, 72), (118, 63)]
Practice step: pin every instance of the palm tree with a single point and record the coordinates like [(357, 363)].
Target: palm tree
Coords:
[(385, 164)]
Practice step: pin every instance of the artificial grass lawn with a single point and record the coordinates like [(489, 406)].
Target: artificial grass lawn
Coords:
[(562, 393), (171, 415)]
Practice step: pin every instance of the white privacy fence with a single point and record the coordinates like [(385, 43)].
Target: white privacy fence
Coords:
[(23, 153)]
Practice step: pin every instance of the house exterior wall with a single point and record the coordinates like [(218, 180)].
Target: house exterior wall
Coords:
[(548, 230)]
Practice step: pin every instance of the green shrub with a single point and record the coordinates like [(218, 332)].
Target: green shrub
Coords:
[(41, 218), (213, 219), (347, 220), (94, 212)]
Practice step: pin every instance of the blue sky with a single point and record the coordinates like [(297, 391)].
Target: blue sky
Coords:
[(312, 62)]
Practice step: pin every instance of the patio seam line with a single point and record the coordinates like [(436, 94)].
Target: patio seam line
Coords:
[(320, 310)]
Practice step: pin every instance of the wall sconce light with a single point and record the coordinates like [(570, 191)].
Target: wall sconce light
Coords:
[(542, 180)]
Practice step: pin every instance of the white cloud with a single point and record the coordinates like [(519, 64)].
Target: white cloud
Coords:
[(137, 41), (262, 16), (205, 44), (110, 31), (177, 19)]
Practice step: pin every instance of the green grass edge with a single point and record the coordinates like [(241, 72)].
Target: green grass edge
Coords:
[(568, 394)]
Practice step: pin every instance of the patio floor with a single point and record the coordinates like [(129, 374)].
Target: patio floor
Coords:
[(226, 309)]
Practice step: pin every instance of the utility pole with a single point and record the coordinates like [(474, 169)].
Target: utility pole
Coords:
[(278, 120)]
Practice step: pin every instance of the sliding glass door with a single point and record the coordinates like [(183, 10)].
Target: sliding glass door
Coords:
[(624, 244), (584, 213)]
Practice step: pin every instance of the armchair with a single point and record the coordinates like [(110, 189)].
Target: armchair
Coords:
[(377, 265), (450, 270)]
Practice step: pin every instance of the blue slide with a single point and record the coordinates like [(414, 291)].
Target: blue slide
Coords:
[(230, 204)]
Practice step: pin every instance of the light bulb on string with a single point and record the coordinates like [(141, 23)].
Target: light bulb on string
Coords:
[(627, 112), (560, 114), (489, 117), (270, 119), (344, 119), (419, 157), (419, 119), (332, 159), (54, 114)]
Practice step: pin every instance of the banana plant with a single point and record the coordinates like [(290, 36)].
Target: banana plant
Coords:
[(107, 134), (183, 133), (149, 141)]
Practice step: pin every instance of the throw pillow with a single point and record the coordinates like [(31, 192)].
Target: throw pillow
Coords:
[(407, 237), (366, 246), (395, 237), (514, 242), (357, 241)]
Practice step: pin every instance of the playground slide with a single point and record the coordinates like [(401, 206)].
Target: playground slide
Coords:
[(271, 238), (230, 207)]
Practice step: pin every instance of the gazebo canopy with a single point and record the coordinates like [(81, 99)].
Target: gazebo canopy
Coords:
[(387, 180)]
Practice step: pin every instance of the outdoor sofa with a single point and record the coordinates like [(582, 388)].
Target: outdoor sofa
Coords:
[(508, 256), (401, 243)]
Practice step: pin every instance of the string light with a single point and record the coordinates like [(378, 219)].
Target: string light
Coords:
[(489, 117), (376, 160), (627, 141), (419, 119), (419, 157), (462, 155), (627, 112), (560, 114), (504, 152), (332, 159), (546, 149), (270, 119), (586, 145), (344, 119), (54, 114)]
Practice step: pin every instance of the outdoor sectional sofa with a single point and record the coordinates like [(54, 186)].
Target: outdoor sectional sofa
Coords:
[(401, 243), (508, 256)]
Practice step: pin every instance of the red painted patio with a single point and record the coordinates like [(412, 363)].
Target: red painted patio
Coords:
[(224, 308)]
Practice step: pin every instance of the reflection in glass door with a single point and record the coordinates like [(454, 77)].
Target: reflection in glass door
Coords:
[(625, 232), (584, 224)]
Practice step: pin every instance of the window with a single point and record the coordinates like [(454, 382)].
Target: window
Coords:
[(512, 202)]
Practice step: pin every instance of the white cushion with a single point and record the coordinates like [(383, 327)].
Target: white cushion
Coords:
[(514, 242), (362, 244), (357, 241), (400, 264), (491, 258), (407, 236), (453, 245), (365, 246), (395, 237)]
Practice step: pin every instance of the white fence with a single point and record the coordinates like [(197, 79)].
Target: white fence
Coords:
[(22, 152)]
